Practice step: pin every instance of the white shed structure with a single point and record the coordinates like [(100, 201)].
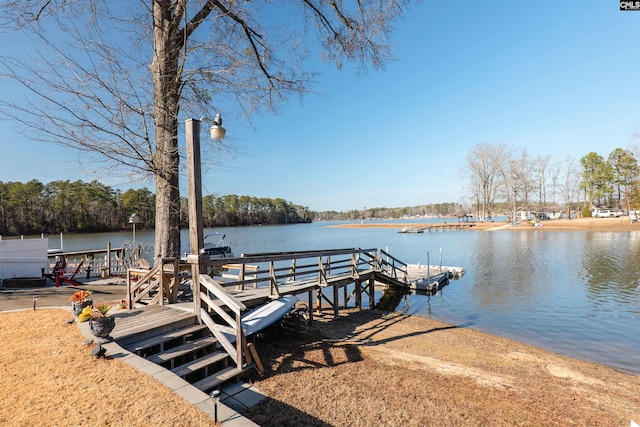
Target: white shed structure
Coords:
[(23, 258)]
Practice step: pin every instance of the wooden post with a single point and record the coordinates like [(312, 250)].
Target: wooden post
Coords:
[(194, 178), (194, 260), (163, 282), (372, 296), (240, 339), (175, 283), (241, 277), (272, 279), (108, 259), (256, 358), (310, 306), (129, 296), (344, 293)]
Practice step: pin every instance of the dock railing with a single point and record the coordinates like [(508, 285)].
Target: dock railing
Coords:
[(277, 274), (95, 263), (281, 272), (392, 266)]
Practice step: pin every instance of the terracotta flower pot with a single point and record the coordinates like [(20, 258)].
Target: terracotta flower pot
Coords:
[(77, 307), (102, 326)]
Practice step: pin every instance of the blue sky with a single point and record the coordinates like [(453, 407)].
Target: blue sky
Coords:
[(555, 77)]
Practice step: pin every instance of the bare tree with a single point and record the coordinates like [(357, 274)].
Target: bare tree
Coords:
[(111, 79), (484, 162), (515, 171), (569, 183), (555, 170), (541, 171)]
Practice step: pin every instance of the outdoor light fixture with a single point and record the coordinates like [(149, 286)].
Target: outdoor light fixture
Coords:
[(215, 395), (134, 219), (35, 300), (217, 131)]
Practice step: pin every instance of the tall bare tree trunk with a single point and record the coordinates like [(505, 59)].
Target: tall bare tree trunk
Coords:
[(166, 86)]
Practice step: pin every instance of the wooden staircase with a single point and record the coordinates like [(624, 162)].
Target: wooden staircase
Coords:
[(182, 346)]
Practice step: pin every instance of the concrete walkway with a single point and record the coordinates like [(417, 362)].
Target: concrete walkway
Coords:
[(234, 398)]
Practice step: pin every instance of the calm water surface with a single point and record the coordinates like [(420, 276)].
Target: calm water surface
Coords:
[(574, 293)]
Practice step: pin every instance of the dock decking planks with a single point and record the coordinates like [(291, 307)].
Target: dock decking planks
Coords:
[(139, 323)]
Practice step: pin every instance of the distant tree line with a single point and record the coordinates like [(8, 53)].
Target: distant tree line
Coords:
[(436, 209), (232, 210), (500, 176), (77, 206)]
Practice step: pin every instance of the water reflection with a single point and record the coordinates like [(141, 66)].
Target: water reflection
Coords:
[(391, 299), (512, 269), (575, 293), (610, 264)]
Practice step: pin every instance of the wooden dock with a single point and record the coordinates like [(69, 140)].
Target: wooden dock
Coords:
[(447, 227), (205, 342)]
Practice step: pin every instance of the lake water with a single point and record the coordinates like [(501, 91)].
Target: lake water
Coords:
[(574, 293)]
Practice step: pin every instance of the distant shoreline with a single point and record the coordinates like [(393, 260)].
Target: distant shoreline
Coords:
[(576, 224)]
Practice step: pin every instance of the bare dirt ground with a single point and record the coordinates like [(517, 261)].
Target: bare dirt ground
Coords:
[(371, 368), (576, 224)]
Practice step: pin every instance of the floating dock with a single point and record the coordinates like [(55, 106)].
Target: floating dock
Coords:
[(431, 277)]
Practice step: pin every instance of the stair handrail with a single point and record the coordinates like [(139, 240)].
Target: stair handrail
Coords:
[(233, 320), (142, 286), (150, 280), (214, 296), (392, 266)]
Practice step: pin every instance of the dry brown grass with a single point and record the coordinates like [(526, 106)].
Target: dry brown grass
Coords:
[(369, 369), (48, 378)]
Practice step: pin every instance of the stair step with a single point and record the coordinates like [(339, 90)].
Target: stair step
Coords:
[(147, 331), (212, 381), (181, 350), (167, 336), (200, 363)]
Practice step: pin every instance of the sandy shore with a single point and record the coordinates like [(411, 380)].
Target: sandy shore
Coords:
[(371, 368), (577, 224)]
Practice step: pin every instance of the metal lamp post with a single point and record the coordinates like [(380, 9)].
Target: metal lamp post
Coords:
[(134, 219)]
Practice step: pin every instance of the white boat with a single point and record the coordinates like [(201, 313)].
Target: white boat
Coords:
[(410, 230), (265, 315), (214, 246), (217, 248)]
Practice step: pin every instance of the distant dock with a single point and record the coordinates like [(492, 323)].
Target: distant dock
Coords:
[(413, 228), (447, 227)]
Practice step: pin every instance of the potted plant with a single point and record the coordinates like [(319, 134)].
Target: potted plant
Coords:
[(79, 301), (100, 322)]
